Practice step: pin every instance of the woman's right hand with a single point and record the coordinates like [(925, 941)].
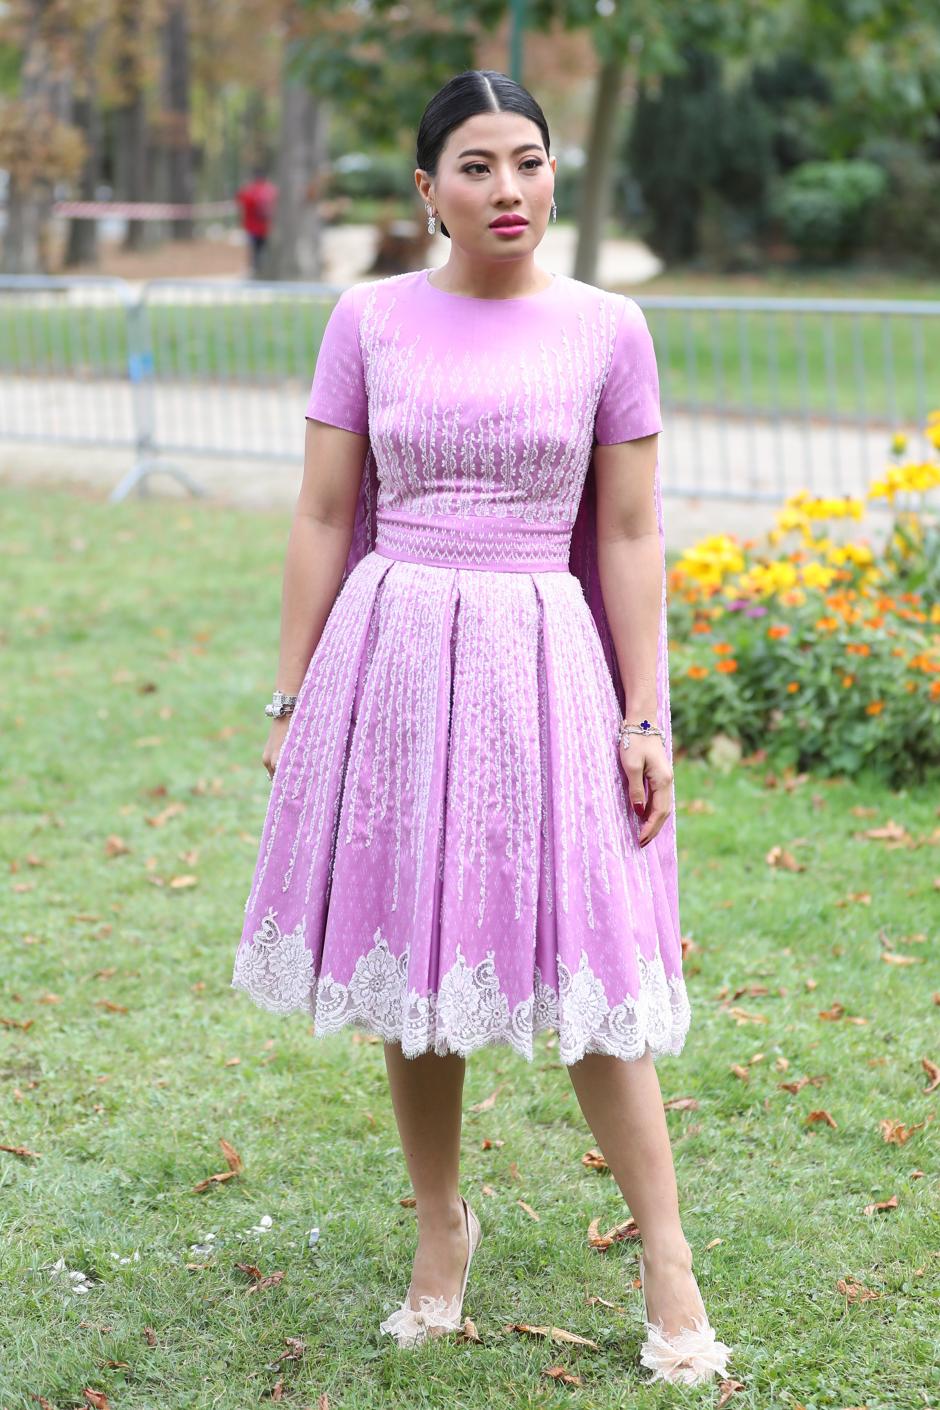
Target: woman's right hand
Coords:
[(272, 748)]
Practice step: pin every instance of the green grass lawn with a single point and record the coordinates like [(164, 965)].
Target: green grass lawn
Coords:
[(139, 643)]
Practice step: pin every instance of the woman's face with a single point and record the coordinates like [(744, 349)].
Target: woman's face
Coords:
[(494, 164)]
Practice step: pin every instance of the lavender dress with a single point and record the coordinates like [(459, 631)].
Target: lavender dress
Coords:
[(449, 857)]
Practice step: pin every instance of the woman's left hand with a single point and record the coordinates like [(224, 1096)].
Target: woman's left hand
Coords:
[(647, 758)]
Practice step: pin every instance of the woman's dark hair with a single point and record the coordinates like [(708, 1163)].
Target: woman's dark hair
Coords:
[(463, 96)]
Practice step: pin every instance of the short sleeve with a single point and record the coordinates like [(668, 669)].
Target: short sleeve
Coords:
[(338, 392), (629, 401)]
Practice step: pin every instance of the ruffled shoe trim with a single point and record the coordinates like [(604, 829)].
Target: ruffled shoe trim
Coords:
[(409, 1326), (693, 1355), (687, 1357)]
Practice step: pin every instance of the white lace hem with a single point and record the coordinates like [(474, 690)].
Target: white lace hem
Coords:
[(469, 1011)]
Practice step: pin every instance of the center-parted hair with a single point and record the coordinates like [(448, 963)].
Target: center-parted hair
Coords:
[(462, 97)]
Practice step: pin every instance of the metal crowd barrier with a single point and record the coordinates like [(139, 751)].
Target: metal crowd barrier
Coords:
[(760, 396)]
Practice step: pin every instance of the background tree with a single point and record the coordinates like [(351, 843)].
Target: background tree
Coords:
[(39, 145)]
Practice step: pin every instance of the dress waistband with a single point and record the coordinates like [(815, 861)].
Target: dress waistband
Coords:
[(501, 543)]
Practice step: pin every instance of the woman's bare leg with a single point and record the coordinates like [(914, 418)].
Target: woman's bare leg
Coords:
[(427, 1096), (623, 1105)]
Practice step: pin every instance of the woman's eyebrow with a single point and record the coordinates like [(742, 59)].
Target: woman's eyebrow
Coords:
[(481, 152)]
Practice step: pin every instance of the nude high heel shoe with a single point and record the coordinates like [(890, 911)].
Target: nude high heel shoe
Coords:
[(687, 1357), (410, 1326)]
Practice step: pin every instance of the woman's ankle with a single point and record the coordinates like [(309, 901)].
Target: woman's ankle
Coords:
[(441, 1217), (669, 1252)]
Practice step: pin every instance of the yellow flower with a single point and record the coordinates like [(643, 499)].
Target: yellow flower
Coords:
[(712, 559), (817, 575), (859, 553)]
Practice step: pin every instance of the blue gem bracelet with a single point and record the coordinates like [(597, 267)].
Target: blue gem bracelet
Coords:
[(644, 727)]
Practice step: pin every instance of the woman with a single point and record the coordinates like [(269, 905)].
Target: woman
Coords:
[(470, 834)]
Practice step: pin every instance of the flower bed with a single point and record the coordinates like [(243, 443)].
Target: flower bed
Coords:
[(811, 644)]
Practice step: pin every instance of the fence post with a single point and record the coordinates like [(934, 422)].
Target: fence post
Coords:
[(140, 373)]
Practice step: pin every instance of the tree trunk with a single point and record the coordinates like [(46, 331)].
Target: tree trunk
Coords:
[(293, 250), (177, 144), (82, 243), (43, 107), (596, 178), (131, 166)]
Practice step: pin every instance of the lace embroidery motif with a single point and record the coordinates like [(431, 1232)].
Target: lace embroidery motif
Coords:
[(469, 1011)]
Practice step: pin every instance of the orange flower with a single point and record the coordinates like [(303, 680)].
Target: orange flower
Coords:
[(827, 624), (697, 672), (722, 647), (934, 691), (874, 707), (792, 686), (778, 631), (699, 627), (848, 680), (726, 666), (876, 622), (858, 648), (897, 651)]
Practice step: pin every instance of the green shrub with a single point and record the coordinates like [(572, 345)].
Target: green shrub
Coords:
[(824, 207)]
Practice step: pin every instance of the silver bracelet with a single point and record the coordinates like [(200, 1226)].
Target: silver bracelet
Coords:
[(281, 704), (644, 727)]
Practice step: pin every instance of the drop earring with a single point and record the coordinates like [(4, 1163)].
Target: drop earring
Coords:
[(554, 209), (430, 219)]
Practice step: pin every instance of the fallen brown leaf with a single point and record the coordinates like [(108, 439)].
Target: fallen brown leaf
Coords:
[(213, 1180), (231, 1155), (260, 1282), (172, 810), (821, 1115), (626, 1230), (779, 857), (891, 832), (487, 1103), (896, 1133), (558, 1373), (553, 1333), (742, 1016), (882, 1206), (855, 1291), (594, 1160)]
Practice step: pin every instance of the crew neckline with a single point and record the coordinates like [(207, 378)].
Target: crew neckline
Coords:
[(476, 299)]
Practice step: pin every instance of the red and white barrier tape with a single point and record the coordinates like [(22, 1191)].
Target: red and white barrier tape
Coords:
[(140, 210)]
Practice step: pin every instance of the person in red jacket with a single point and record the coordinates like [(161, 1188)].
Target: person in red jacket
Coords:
[(257, 199)]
